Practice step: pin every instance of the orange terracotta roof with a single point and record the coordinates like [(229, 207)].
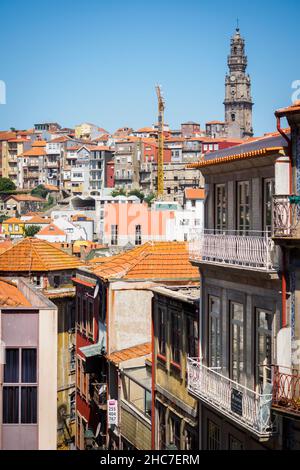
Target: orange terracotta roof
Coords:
[(146, 129), (18, 140), (239, 156), (129, 353), (33, 152), (24, 197), (194, 193), (51, 229), (39, 143), (32, 214), (151, 261), (5, 245), (294, 108), (11, 296), (38, 220), (51, 187), (59, 140), (33, 255), (6, 135), (13, 220)]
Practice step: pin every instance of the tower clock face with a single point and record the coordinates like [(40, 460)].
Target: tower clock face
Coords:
[(232, 78)]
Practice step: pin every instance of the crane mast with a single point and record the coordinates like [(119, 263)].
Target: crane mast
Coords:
[(160, 166)]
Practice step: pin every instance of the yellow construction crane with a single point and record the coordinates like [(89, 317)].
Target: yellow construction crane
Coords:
[(160, 166)]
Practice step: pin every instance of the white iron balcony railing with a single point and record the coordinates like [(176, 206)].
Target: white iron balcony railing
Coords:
[(286, 216), (253, 249), (246, 407)]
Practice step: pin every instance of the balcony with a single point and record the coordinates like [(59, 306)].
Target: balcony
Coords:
[(286, 390), (286, 216), (249, 409), (254, 250)]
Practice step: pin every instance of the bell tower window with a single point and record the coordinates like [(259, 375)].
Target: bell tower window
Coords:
[(233, 117)]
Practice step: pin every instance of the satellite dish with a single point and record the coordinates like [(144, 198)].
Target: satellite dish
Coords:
[(96, 291), (98, 430)]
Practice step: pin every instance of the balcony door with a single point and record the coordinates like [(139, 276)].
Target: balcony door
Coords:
[(269, 189), (264, 319), (243, 207), (214, 331), (220, 207), (237, 343)]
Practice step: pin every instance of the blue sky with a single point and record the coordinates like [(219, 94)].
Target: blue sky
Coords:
[(98, 61)]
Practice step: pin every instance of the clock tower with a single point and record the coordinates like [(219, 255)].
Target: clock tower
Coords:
[(238, 102)]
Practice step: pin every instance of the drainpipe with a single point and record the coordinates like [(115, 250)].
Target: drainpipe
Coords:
[(284, 270), (106, 290), (152, 385)]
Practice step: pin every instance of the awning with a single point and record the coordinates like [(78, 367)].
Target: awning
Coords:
[(92, 350)]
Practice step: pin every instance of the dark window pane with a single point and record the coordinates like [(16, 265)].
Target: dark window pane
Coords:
[(29, 365), (28, 405), (11, 368), (10, 404)]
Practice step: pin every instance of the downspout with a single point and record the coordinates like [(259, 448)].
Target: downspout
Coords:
[(153, 414), (107, 365), (284, 270)]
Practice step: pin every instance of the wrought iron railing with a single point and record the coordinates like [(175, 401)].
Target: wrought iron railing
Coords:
[(286, 215), (231, 247), (286, 389), (248, 408)]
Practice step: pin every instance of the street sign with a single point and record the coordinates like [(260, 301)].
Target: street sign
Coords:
[(112, 412)]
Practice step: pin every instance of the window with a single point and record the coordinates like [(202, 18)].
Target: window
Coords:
[(213, 436), (243, 207), (233, 117), (162, 331), (190, 439), (72, 358), (148, 402), (237, 340), (20, 386), (267, 202), (161, 427), (84, 312), (114, 234), (220, 207), (90, 329), (264, 320), (214, 331), (175, 431), (192, 337), (175, 337), (138, 235)]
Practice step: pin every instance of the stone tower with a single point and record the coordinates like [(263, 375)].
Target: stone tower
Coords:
[(238, 102)]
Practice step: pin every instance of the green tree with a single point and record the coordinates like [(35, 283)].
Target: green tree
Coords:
[(149, 198), (50, 202), (119, 192), (40, 191), (31, 230), (138, 193), (7, 185)]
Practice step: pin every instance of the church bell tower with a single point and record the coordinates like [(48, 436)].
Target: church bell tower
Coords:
[(238, 102)]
